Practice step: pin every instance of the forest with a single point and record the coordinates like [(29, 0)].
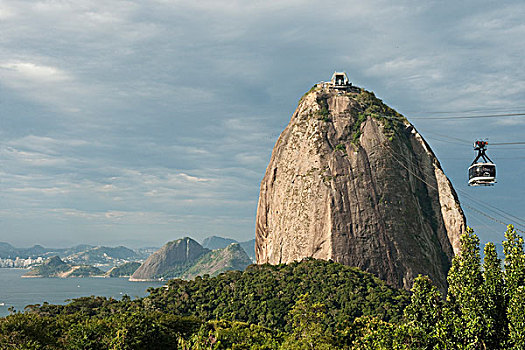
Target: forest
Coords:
[(311, 304)]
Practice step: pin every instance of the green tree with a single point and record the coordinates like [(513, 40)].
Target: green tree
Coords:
[(309, 329), (424, 313), (372, 333), (465, 295), (516, 314), (514, 262), (88, 334), (495, 306)]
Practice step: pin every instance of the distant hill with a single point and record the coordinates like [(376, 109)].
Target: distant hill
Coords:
[(7, 250), (185, 258), (249, 248), (52, 267), (82, 254), (83, 271), (233, 257), (170, 260), (55, 267), (124, 270), (216, 242), (102, 255)]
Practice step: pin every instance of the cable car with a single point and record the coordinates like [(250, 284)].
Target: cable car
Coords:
[(482, 173)]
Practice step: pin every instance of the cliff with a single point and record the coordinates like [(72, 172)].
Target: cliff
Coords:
[(351, 180)]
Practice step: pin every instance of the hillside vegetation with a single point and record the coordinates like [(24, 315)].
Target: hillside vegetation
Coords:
[(304, 305), (264, 294)]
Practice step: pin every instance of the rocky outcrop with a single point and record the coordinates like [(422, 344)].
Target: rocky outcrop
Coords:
[(351, 180), (173, 258)]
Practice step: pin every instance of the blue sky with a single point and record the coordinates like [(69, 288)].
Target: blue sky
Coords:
[(139, 122)]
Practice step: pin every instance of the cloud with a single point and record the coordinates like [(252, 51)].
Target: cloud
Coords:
[(163, 114), (35, 73)]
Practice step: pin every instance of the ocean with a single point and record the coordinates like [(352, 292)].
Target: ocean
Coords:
[(19, 292)]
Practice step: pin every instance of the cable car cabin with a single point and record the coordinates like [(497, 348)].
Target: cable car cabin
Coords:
[(482, 174)]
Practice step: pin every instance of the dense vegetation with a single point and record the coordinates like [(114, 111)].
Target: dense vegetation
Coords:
[(264, 294), (306, 305)]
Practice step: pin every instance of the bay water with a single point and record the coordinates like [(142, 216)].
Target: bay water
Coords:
[(18, 292)]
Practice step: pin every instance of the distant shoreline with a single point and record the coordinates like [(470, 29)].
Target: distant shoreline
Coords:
[(145, 280)]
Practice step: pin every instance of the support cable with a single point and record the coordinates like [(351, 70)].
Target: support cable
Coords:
[(436, 189)]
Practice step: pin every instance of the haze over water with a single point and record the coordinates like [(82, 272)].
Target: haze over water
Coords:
[(19, 292)]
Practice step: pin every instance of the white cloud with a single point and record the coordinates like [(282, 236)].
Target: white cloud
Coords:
[(34, 72), (192, 178), (6, 12), (33, 158), (39, 190)]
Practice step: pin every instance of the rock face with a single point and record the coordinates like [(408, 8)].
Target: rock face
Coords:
[(351, 180), (173, 256)]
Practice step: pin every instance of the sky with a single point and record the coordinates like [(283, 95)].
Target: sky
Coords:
[(140, 122)]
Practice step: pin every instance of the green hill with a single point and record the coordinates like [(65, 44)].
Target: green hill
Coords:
[(233, 257), (264, 294), (52, 267), (124, 270), (84, 271), (216, 242)]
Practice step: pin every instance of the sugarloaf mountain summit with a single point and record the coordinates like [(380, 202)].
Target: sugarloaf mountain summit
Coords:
[(351, 180)]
